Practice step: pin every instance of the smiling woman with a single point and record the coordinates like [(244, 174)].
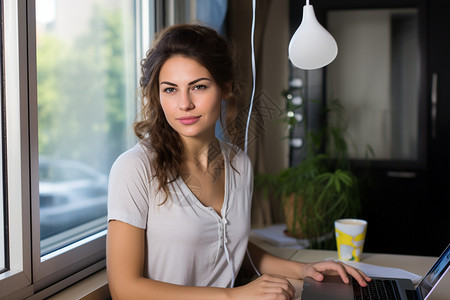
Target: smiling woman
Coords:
[(180, 185)]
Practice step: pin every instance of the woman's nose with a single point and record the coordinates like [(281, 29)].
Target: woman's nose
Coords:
[(186, 102)]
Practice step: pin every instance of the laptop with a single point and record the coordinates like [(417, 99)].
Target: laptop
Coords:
[(333, 288)]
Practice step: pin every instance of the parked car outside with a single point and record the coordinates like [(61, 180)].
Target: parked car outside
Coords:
[(71, 194)]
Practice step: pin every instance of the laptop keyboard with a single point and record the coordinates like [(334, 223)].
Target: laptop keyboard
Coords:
[(377, 289)]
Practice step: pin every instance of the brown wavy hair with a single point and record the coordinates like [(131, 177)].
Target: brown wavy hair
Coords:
[(213, 52)]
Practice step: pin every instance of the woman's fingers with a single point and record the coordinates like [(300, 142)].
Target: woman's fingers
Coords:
[(355, 273), (359, 275), (278, 285), (316, 270), (266, 287)]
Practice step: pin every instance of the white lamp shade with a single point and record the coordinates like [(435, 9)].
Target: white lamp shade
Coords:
[(311, 46)]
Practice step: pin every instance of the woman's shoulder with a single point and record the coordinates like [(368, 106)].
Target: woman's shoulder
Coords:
[(235, 154), (136, 158)]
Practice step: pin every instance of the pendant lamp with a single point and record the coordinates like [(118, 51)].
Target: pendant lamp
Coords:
[(312, 46)]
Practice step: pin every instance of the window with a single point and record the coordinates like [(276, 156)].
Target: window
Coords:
[(86, 86), (70, 98)]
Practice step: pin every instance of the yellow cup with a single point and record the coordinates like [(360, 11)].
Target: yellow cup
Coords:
[(350, 235)]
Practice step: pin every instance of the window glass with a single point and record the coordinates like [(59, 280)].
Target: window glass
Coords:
[(86, 84), (212, 13)]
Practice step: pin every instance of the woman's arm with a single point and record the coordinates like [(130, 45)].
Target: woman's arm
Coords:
[(270, 264), (125, 263), (267, 263)]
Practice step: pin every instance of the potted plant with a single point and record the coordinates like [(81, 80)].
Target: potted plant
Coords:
[(322, 188)]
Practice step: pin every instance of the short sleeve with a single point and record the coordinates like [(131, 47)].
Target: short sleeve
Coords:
[(129, 188)]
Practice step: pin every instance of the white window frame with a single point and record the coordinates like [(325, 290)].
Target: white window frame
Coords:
[(29, 274), (17, 279)]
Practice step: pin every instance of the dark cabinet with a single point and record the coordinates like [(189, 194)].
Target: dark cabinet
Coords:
[(438, 73)]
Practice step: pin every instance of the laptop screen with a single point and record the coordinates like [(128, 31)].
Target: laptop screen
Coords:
[(435, 274)]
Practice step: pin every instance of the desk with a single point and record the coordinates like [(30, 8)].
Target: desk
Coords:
[(415, 264)]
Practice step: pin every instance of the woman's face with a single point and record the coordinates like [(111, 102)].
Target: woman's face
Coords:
[(190, 98)]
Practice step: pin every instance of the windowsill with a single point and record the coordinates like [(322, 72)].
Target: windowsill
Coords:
[(94, 287)]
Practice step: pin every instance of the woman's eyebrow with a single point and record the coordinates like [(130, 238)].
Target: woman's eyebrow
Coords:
[(199, 79), (168, 83), (190, 83)]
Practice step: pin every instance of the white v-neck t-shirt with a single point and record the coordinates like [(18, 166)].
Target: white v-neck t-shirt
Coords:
[(187, 243)]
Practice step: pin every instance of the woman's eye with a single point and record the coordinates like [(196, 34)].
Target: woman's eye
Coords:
[(169, 90), (199, 87)]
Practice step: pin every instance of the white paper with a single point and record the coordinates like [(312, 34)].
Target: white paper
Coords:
[(275, 235), (377, 271)]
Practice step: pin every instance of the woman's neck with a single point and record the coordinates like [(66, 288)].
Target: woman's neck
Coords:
[(202, 153)]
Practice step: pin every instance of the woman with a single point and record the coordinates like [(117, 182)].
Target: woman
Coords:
[(179, 200)]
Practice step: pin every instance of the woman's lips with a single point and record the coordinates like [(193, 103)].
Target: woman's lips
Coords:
[(188, 120)]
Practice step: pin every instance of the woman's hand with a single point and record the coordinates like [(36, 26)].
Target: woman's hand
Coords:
[(264, 287), (316, 270)]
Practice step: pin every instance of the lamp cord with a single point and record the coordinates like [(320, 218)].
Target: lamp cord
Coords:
[(254, 76), (251, 103)]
